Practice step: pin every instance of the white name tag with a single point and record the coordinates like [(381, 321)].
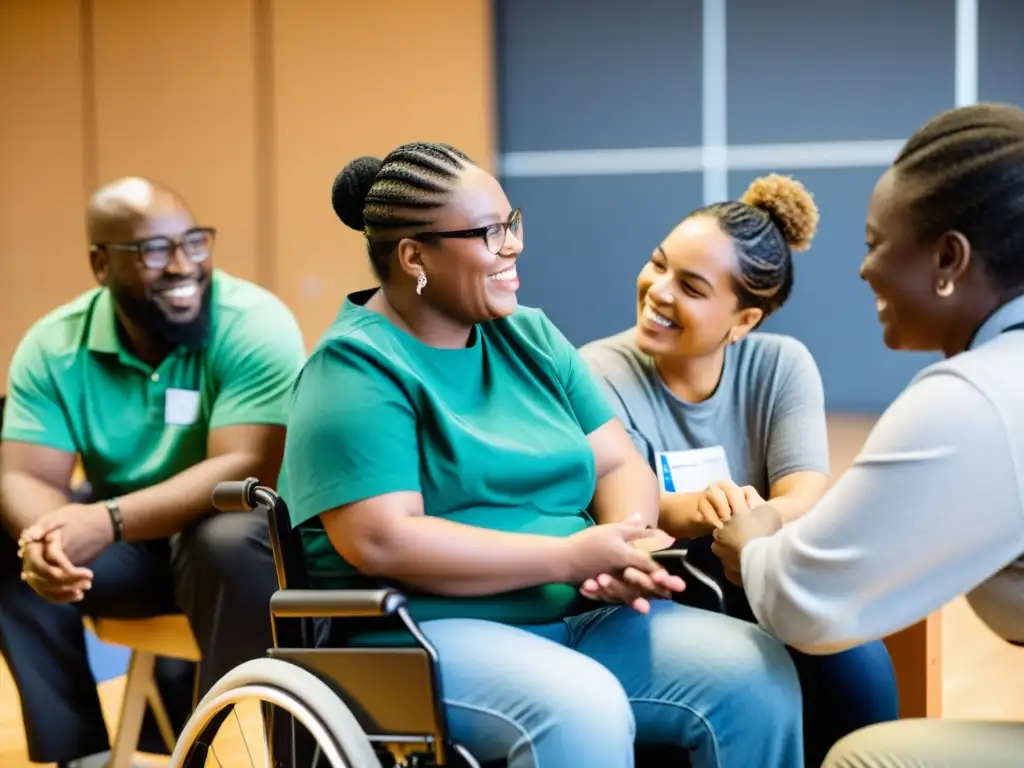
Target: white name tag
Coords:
[(692, 471), (181, 407)]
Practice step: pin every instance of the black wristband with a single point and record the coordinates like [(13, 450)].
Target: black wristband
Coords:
[(116, 521)]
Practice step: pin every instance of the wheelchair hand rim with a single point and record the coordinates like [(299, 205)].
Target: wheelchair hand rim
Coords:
[(280, 698)]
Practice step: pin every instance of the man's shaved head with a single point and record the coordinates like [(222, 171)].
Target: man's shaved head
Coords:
[(116, 210)]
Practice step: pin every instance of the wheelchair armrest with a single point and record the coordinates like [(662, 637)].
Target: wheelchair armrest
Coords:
[(335, 603), (678, 556)]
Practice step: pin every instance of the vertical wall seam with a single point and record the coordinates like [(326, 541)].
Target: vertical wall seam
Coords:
[(90, 129), (714, 128), (265, 176), (965, 85)]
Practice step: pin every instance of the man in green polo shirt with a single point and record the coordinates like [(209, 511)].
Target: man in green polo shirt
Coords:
[(165, 380)]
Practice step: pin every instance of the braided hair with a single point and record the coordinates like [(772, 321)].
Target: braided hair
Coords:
[(964, 171), (775, 216), (402, 191)]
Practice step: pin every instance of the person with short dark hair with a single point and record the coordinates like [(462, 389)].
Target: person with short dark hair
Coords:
[(724, 411), (933, 506), (165, 380), (444, 438)]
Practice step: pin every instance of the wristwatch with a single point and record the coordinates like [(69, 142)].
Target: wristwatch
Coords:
[(114, 509)]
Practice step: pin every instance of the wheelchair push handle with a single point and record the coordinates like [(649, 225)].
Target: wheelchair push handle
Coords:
[(235, 495), (242, 495)]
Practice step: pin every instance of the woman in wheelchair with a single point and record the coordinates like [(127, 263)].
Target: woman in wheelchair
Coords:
[(448, 440), (718, 407)]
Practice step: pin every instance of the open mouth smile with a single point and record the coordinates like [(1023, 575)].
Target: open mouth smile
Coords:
[(655, 318)]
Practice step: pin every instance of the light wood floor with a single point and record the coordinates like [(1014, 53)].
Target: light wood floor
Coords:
[(982, 676)]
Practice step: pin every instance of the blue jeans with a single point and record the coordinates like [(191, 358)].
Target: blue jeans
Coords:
[(580, 692), (842, 692)]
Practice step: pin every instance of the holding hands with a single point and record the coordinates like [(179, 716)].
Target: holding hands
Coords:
[(748, 517), (723, 499)]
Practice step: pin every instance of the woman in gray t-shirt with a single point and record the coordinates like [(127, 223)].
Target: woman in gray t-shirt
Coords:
[(722, 412)]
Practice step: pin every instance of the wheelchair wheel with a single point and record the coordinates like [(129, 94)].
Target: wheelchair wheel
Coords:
[(334, 734)]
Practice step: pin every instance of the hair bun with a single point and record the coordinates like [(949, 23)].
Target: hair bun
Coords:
[(351, 186), (789, 204)]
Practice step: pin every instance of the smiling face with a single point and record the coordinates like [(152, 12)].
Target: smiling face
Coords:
[(905, 272), (686, 298), (159, 286), (465, 280)]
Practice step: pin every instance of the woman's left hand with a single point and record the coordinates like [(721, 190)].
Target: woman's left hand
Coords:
[(633, 588)]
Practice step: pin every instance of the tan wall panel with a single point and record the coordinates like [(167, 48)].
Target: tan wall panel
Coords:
[(354, 78), (176, 101), (43, 259)]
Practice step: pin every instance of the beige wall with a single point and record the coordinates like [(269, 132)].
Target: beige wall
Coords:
[(248, 107)]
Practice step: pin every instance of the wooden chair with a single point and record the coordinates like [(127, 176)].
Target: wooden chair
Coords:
[(168, 636), (917, 658)]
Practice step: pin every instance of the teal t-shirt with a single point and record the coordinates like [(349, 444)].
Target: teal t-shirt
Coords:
[(492, 435)]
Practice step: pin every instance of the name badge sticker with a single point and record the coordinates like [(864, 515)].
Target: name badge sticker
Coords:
[(181, 407), (692, 471)]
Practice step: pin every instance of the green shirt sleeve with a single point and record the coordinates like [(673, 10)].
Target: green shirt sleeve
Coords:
[(257, 363), (34, 411), (585, 396), (352, 432)]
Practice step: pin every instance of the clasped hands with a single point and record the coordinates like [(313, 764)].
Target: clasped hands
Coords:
[(721, 502), (50, 548), (640, 581)]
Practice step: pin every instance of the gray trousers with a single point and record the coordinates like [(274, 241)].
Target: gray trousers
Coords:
[(219, 572), (931, 744)]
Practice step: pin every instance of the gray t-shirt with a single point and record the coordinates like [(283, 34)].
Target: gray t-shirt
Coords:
[(768, 412)]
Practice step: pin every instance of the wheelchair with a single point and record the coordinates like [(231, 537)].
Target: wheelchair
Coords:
[(360, 707)]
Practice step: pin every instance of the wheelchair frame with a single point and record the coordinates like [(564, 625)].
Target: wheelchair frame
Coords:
[(411, 678), (400, 710)]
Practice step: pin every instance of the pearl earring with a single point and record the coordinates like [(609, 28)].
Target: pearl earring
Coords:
[(421, 283), (944, 288)]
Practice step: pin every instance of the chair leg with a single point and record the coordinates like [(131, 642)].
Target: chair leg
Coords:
[(163, 720), (133, 709)]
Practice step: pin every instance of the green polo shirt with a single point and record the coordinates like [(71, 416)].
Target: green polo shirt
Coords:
[(493, 435), (73, 386)]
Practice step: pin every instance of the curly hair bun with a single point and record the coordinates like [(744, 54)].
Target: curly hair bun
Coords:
[(790, 206), (351, 186)]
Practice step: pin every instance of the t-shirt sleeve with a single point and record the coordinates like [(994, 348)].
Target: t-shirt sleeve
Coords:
[(257, 364), (797, 429), (33, 411), (604, 371), (930, 509), (586, 398), (352, 433)]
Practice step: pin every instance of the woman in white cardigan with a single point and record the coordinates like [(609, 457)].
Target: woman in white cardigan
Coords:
[(933, 506)]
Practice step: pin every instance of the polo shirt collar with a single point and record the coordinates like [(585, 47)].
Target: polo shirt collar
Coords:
[(103, 327), (1011, 313)]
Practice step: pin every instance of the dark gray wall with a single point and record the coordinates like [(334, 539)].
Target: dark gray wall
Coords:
[(609, 74), (1001, 51), (598, 74)]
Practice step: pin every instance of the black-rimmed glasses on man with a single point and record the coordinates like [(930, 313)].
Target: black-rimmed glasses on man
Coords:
[(158, 252)]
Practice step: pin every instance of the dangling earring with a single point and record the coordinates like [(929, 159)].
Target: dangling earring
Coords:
[(944, 288), (421, 283)]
